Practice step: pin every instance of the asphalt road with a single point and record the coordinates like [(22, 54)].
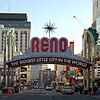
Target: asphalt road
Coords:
[(46, 95)]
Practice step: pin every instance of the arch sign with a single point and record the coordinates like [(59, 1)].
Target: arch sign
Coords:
[(49, 51)]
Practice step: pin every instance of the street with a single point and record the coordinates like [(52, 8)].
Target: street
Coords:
[(40, 94)]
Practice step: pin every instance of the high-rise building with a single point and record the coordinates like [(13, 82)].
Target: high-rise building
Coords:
[(46, 76), (21, 37), (22, 28), (96, 20), (96, 9), (35, 72)]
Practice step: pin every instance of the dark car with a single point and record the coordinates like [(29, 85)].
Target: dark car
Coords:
[(59, 89)]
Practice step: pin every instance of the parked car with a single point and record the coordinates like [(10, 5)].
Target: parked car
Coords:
[(48, 88), (40, 86), (68, 90), (59, 89), (8, 90)]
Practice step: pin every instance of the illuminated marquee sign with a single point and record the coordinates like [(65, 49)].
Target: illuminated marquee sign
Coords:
[(49, 45)]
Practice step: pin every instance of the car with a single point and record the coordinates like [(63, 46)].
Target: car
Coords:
[(48, 88), (7, 90), (68, 90), (40, 86), (59, 89)]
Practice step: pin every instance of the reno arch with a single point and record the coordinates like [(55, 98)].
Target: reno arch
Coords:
[(49, 45)]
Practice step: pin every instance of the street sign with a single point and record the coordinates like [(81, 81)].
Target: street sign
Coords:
[(71, 74)]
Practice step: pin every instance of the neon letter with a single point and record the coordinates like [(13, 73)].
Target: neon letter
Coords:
[(35, 44), (63, 44), (54, 45), (44, 44)]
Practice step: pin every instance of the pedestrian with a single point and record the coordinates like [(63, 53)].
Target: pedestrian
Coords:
[(94, 90), (81, 90), (90, 90), (76, 90)]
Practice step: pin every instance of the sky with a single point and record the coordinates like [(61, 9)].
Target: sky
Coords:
[(59, 12)]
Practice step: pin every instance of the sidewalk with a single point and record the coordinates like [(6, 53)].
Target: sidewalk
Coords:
[(96, 96)]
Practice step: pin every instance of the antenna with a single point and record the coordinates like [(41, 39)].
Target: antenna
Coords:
[(79, 21)]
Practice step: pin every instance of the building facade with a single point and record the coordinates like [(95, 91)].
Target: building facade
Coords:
[(96, 20), (35, 69), (46, 76), (89, 51), (91, 46), (22, 30), (19, 41)]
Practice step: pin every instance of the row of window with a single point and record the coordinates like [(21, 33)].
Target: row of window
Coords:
[(16, 32), (27, 25)]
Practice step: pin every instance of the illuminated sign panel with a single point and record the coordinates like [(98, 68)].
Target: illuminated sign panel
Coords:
[(49, 45)]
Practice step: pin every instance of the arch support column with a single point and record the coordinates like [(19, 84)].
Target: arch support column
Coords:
[(86, 79)]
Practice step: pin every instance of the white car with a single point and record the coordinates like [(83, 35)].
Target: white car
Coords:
[(49, 88)]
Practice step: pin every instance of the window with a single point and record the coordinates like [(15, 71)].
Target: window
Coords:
[(20, 48), (98, 72), (23, 75), (16, 32), (98, 64), (26, 39), (16, 48), (23, 69)]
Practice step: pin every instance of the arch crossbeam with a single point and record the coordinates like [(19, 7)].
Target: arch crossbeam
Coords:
[(48, 60)]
